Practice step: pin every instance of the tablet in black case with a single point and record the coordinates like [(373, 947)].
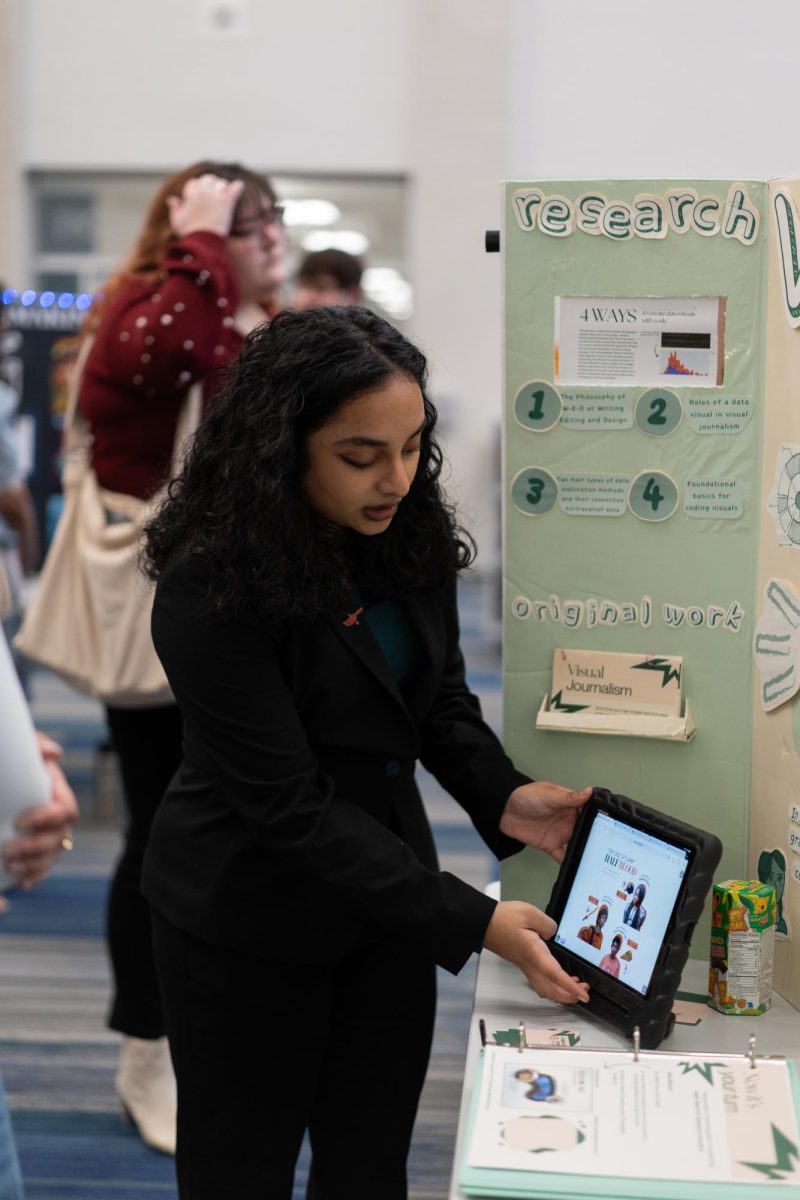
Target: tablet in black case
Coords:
[(628, 896)]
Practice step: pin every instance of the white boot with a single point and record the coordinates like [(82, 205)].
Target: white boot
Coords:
[(146, 1086)]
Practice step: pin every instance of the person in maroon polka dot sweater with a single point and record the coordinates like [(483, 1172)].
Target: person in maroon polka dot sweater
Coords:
[(203, 273)]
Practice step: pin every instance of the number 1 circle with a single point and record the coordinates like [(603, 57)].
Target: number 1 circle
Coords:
[(537, 406)]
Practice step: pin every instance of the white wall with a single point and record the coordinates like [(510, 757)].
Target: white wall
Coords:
[(700, 88), (134, 83), (13, 225), (458, 123)]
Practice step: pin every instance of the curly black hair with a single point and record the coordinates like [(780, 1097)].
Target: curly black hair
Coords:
[(238, 509)]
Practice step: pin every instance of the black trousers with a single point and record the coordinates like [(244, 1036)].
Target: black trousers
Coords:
[(265, 1050), (148, 746)]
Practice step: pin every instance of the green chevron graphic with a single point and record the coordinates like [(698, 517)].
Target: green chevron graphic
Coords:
[(660, 664), (785, 1151), (703, 1069), (555, 703)]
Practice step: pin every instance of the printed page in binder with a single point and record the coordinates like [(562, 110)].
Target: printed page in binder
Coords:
[(545, 1115)]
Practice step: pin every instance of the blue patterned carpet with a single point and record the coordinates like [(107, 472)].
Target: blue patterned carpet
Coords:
[(56, 1056)]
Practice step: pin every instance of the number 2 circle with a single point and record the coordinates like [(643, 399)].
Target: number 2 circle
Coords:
[(658, 411)]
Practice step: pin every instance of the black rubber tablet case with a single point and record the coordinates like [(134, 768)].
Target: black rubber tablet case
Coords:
[(610, 999)]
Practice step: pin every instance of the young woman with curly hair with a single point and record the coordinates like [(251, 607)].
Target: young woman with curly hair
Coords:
[(305, 614)]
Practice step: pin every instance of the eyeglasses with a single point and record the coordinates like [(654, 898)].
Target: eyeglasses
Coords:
[(251, 228)]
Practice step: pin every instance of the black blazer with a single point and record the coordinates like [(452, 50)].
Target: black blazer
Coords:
[(294, 827)]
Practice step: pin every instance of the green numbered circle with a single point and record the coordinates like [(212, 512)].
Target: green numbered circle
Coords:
[(653, 496), (534, 491), (658, 411), (538, 406)]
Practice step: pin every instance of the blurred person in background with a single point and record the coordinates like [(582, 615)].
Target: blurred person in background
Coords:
[(328, 277), (40, 834), (19, 539), (203, 273)]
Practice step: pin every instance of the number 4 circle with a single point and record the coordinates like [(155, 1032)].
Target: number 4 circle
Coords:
[(653, 496)]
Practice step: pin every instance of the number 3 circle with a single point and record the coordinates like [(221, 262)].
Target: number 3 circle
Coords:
[(653, 496), (534, 491)]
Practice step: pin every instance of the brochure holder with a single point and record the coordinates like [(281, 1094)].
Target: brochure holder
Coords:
[(639, 725)]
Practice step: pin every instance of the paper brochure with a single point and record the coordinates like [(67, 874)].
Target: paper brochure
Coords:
[(590, 681), (642, 340)]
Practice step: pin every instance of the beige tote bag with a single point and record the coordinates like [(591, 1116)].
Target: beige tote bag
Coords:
[(89, 621)]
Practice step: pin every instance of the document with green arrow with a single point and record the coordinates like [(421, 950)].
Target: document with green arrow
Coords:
[(575, 1123)]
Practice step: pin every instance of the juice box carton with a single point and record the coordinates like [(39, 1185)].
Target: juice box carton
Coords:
[(743, 913)]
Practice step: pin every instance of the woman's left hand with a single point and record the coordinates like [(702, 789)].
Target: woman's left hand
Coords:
[(42, 832), (543, 815)]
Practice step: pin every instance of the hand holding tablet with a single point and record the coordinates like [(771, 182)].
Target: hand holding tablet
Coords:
[(543, 815), (518, 932)]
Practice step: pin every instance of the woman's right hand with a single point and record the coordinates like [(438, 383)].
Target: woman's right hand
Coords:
[(206, 204), (517, 932)]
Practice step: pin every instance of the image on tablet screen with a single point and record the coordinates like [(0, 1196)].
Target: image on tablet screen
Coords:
[(621, 900)]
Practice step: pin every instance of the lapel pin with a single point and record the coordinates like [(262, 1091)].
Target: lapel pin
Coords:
[(352, 618)]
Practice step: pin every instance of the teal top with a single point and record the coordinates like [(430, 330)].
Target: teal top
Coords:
[(397, 638)]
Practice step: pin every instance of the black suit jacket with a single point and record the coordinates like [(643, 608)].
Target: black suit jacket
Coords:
[(294, 828)]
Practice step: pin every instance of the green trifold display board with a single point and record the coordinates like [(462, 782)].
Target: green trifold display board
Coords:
[(651, 450)]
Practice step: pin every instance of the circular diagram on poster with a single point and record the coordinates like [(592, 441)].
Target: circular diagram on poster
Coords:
[(534, 491), (653, 496), (537, 406), (788, 499), (658, 412)]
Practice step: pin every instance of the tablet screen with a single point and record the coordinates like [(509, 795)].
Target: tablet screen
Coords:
[(621, 900)]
